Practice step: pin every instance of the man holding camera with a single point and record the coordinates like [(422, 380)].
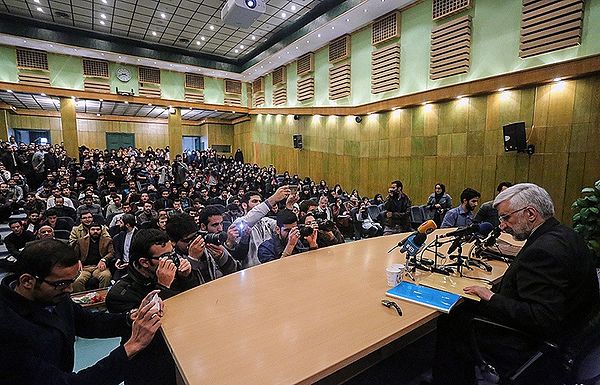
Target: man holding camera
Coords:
[(328, 233), (205, 249), (153, 265), (286, 240)]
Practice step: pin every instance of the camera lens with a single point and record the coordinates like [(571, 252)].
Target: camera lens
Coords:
[(305, 231), (216, 238)]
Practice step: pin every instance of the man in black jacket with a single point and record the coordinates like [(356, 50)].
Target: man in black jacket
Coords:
[(18, 237), (550, 291), (396, 210), (39, 322), (151, 267)]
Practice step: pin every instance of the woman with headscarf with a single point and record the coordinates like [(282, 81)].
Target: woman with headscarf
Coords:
[(439, 202)]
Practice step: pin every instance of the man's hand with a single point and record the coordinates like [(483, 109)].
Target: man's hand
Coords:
[(215, 250), (146, 321), (388, 214), (196, 248), (482, 292), (293, 237), (232, 235), (312, 239), (185, 268), (165, 272), (101, 265), (291, 199), (279, 195)]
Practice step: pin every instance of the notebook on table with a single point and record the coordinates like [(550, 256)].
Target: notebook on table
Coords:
[(423, 295)]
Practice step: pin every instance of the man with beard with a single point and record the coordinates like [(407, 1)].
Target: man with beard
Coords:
[(32, 203), (95, 253), (122, 244), (88, 175), (396, 210), (550, 290), (84, 228), (112, 173), (39, 323), (18, 237), (287, 239), (62, 210), (209, 260), (462, 215), (153, 266), (148, 214)]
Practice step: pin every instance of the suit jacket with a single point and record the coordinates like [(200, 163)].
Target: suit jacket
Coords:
[(37, 342), (82, 248), (551, 287), (119, 243)]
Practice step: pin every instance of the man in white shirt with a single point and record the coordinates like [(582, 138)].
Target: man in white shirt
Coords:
[(55, 194)]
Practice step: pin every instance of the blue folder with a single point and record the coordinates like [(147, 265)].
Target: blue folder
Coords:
[(423, 295)]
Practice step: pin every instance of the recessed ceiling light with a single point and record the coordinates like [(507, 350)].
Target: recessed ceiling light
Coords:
[(75, 49), (97, 114), (150, 104), (153, 33), (163, 15), (278, 57), (270, 62), (366, 10), (9, 91), (202, 38), (101, 53), (42, 94), (236, 51), (51, 46), (103, 16), (212, 27), (154, 62), (293, 7), (101, 100), (119, 57), (40, 9), (105, 2), (126, 102), (139, 59), (332, 27), (102, 22), (198, 42), (36, 1), (187, 68), (73, 97), (24, 41), (242, 46), (288, 52), (170, 65), (347, 20), (296, 47), (253, 37), (319, 35)]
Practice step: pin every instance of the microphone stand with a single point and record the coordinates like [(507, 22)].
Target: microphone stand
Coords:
[(439, 268), (460, 259)]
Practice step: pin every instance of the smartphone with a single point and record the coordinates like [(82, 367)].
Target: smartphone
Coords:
[(156, 301)]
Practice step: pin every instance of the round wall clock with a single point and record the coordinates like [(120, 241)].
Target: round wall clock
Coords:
[(123, 74)]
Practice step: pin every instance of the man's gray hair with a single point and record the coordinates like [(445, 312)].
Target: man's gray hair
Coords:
[(527, 195)]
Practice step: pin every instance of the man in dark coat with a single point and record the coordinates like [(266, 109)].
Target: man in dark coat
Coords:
[(39, 322), (550, 291)]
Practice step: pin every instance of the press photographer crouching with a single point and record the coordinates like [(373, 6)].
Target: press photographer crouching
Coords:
[(152, 266), (287, 238), (327, 232), (204, 247)]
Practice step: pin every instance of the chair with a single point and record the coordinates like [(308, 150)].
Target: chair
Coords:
[(62, 234), (417, 216), (99, 218), (68, 220)]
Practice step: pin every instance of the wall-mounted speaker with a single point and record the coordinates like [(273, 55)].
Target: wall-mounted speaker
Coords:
[(514, 137), (297, 141)]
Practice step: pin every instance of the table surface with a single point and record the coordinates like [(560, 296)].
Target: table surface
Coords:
[(295, 320)]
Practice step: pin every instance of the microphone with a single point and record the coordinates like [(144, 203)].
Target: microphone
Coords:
[(491, 239), (425, 228), (413, 244), (481, 228)]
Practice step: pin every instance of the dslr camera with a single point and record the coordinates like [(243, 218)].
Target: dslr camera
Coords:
[(213, 238), (305, 231)]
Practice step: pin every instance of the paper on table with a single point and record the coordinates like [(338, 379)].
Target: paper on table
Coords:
[(451, 284)]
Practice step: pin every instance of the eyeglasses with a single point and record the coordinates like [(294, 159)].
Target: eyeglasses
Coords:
[(506, 217), (62, 284)]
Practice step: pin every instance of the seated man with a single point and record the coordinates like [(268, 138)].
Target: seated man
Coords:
[(39, 322), (462, 215), (84, 228), (286, 239), (89, 206), (151, 269), (18, 237), (95, 251), (487, 212), (328, 233), (62, 210), (550, 291)]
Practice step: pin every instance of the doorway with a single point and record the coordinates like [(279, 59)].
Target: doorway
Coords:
[(193, 143), (116, 140)]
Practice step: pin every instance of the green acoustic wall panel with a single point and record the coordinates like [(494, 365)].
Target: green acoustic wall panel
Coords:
[(8, 64), (172, 85), (268, 86), (292, 84), (414, 50), (244, 94), (360, 67), (132, 84), (214, 90), (322, 77), (66, 71)]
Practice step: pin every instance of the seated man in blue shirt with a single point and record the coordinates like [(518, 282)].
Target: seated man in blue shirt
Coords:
[(286, 239), (462, 215)]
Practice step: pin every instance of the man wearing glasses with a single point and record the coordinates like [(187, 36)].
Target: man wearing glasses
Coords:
[(549, 291), (39, 322), (152, 266)]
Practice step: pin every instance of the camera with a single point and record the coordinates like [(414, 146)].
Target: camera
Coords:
[(305, 231), (175, 259), (214, 238)]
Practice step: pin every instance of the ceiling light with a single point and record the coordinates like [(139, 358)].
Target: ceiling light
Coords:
[(198, 42), (460, 97), (253, 37), (212, 27), (75, 49), (126, 102), (150, 104), (97, 114), (154, 62), (36, 1), (163, 15), (556, 80), (9, 91), (319, 35), (104, 1), (42, 94), (366, 10), (73, 97), (101, 100), (501, 89), (24, 41), (347, 20), (170, 65), (51, 46), (103, 16), (242, 46), (293, 7), (236, 51), (153, 33), (40, 9), (308, 41), (297, 48), (119, 57), (332, 27), (270, 62), (283, 14), (101, 53), (139, 59), (102, 22), (202, 38)]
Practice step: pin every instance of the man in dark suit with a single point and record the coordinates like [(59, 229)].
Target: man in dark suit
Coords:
[(39, 322), (550, 291), (122, 244)]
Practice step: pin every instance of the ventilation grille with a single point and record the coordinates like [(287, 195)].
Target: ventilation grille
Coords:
[(149, 90), (233, 100), (149, 75), (279, 76), (550, 26), (306, 88), (385, 28), (443, 8), (259, 100), (339, 49), (34, 78), (257, 85), (194, 81), (305, 64), (233, 87), (280, 96), (385, 69), (339, 81), (96, 68), (29, 59), (451, 48), (194, 96), (96, 85)]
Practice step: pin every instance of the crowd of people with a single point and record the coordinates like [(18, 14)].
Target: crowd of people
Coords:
[(150, 227)]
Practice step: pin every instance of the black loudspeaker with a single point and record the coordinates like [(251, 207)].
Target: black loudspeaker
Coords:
[(297, 141), (514, 137)]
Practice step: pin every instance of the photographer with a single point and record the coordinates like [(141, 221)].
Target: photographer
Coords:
[(327, 232), (364, 224), (204, 250), (153, 266), (396, 210), (285, 240)]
